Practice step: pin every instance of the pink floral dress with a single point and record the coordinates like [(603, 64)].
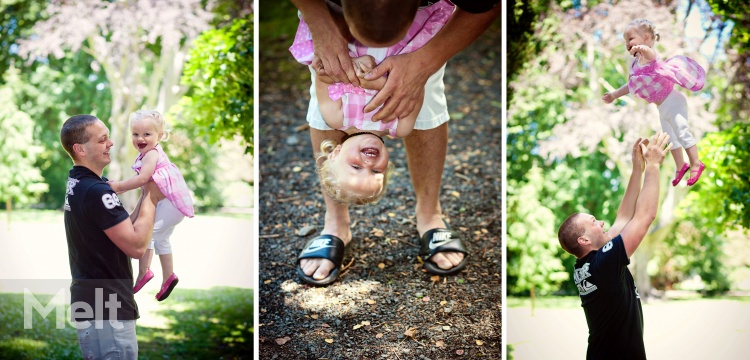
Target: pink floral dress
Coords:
[(170, 181)]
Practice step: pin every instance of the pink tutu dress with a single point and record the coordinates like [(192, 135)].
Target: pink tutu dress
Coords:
[(170, 181), (427, 22)]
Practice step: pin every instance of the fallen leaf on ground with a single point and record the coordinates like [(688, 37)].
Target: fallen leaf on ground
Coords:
[(377, 232), (440, 343), (370, 301), (366, 323), (314, 316), (480, 342), (282, 341), (379, 335), (410, 332), (426, 299), (446, 328), (435, 278), (330, 341), (459, 352), (381, 266), (325, 325), (357, 326), (443, 302)]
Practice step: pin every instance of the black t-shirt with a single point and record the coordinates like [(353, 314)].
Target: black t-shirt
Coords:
[(100, 270), (611, 303)]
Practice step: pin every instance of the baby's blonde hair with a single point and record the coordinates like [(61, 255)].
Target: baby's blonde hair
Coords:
[(157, 120), (332, 186), (645, 25)]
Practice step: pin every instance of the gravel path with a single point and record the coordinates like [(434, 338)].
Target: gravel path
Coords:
[(383, 306)]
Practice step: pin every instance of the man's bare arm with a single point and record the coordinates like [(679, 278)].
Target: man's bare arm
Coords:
[(133, 237), (627, 205), (409, 72), (647, 204)]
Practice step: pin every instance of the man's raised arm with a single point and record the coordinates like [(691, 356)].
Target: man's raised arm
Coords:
[(647, 204), (627, 205)]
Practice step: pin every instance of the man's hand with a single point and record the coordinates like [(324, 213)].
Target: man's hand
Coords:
[(639, 162), (655, 150), (407, 76)]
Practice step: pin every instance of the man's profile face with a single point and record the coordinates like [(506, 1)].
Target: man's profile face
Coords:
[(96, 150), (594, 230)]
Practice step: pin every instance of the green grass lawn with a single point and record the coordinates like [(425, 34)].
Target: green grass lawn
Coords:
[(202, 324)]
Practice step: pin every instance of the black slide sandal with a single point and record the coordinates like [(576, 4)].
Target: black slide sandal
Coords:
[(441, 240), (327, 247)]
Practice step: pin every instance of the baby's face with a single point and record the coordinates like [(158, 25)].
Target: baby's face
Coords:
[(634, 36), (145, 135), (360, 164)]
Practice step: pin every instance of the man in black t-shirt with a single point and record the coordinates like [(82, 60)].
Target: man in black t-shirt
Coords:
[(426, 148), (101, 240), (609, 297)]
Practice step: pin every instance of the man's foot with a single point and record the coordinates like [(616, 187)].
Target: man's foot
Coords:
[(444, 260), (319, 268)]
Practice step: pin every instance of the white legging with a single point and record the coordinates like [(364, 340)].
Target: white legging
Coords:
[(673, 118), (167, 217)]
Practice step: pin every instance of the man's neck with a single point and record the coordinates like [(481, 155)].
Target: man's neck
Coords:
[(93, 169)]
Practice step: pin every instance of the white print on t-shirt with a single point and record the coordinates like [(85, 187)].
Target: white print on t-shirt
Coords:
[(580, 275), (607, 246), (110, 201), (71, 184)]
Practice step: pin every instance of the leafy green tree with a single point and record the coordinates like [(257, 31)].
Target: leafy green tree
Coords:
[(140, 47), (21, 180), (532, 244), (219, 73)]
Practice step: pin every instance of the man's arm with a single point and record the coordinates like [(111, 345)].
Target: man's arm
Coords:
[(408, 73), (647, 203), (133, 237), (627, 205), (331, 48)]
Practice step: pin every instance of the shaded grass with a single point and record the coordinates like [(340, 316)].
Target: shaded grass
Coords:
[(212, 324)]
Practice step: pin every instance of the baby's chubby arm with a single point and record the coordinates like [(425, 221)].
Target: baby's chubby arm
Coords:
[(609, 97), (148, 166)]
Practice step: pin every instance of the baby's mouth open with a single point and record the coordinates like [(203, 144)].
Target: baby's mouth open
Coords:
[(141, 146), (370, 152)]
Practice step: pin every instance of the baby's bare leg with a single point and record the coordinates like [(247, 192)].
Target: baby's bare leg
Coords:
[(331, 110)]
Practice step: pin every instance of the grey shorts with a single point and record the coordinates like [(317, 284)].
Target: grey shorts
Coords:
[(108, 339)]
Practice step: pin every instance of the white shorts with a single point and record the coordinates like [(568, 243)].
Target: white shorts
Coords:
[(673, 117), (434, 111), (167, 217)]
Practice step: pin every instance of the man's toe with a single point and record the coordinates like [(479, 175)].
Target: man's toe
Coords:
[(323, 270)]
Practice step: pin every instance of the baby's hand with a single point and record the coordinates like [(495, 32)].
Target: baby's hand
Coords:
[(644, 53), (114, 185), (608, 98)]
